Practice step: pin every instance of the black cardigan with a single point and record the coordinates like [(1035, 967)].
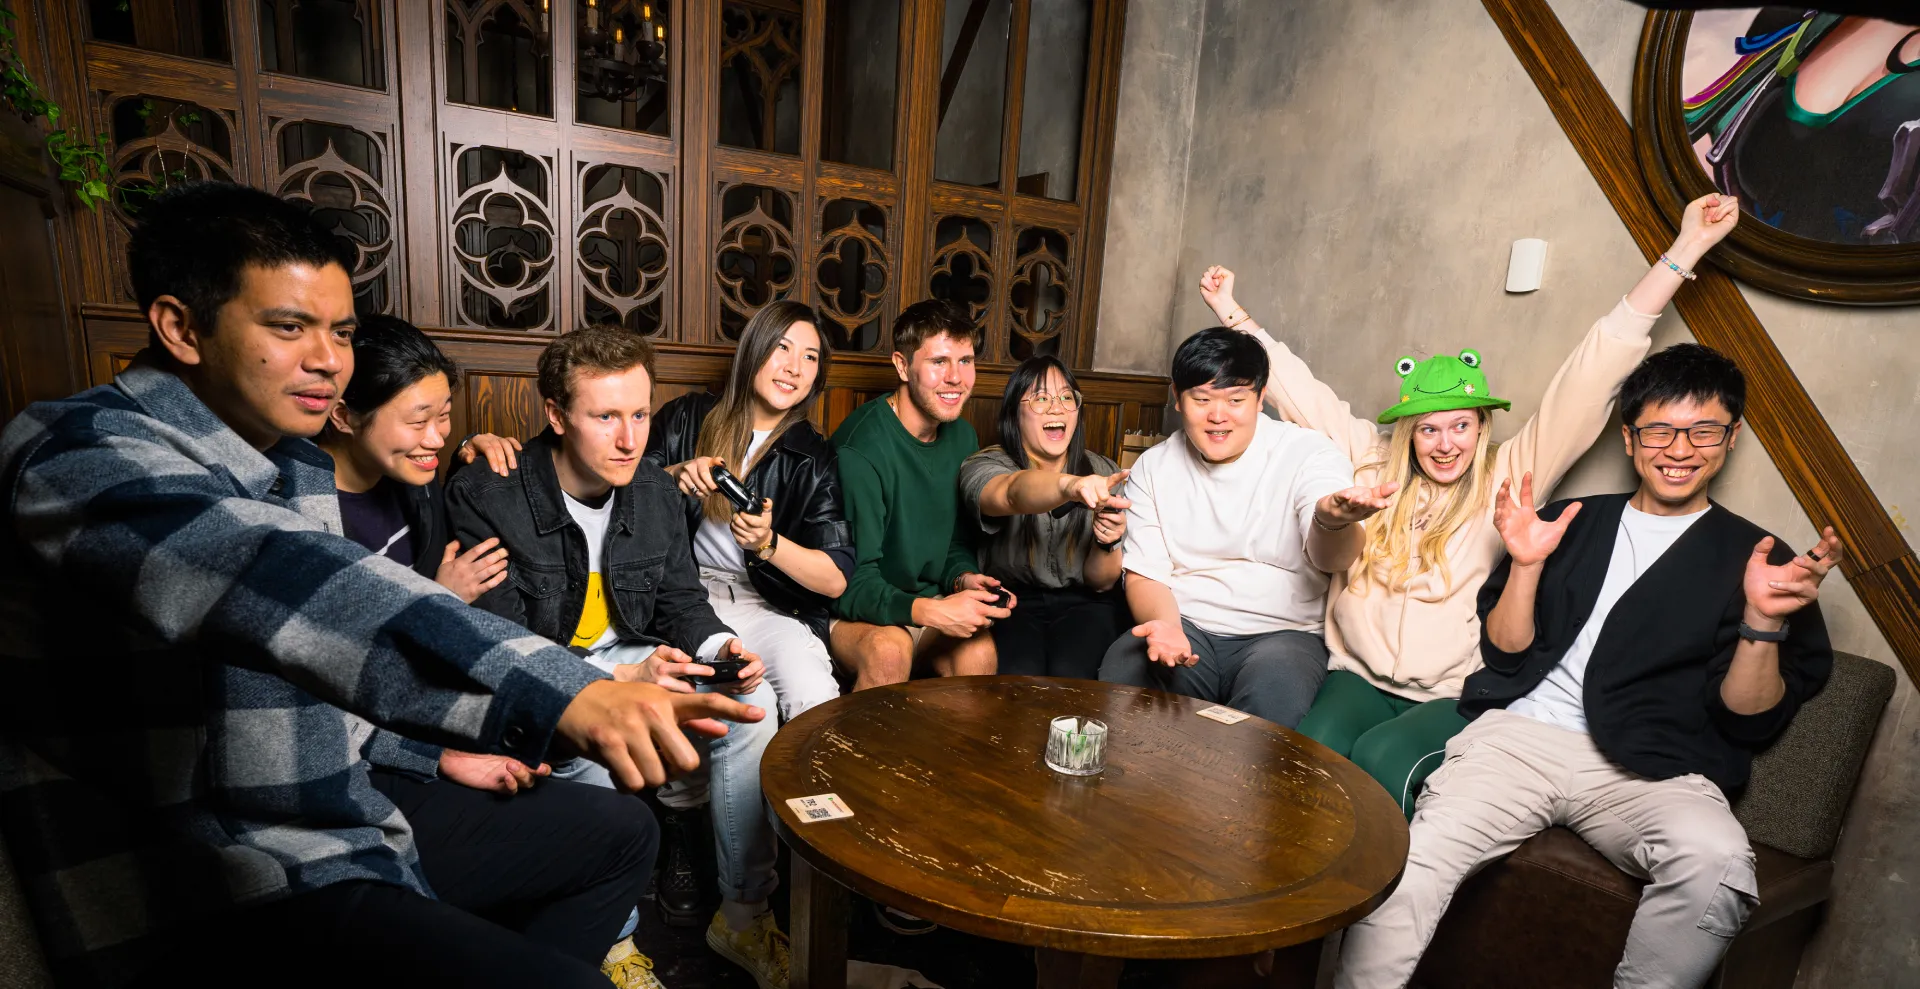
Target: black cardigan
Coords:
[(1652, 691)]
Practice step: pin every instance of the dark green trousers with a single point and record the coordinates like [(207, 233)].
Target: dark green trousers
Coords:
[(1397, 741)]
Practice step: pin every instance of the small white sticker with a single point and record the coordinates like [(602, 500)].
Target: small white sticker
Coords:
[(1224, 715), (825, 807)]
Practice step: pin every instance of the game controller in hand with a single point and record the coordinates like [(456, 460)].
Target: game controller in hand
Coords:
[(724, 670), (743, 500)]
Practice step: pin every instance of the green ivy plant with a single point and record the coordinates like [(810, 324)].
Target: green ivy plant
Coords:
[(82, 162)]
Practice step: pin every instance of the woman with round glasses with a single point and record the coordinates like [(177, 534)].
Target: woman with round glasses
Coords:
[(1053, 518), (1402, 626)]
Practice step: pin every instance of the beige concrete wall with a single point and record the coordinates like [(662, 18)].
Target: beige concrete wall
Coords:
[(1364, 165)]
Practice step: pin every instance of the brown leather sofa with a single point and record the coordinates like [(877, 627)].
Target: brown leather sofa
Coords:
[(1555, 913)]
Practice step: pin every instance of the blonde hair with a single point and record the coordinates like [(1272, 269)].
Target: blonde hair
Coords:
[(1391, 543)]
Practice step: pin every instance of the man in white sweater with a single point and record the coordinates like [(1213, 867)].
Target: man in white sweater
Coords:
[(1234, 526)]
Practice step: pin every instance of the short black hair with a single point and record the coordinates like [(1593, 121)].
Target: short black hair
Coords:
[(193, 241), (930, 318), (1220, 357), (1682, 371), (389, 356)]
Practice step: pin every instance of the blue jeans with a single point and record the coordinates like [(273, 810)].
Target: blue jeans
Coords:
[(743, 838)]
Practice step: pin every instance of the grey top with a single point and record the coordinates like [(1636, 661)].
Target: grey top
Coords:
[(1059, 546)]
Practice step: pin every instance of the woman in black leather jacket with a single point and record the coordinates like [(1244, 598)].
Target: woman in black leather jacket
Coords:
[(770, 574)]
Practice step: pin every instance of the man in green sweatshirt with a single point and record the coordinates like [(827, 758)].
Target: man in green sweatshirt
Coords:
[(915, 591)]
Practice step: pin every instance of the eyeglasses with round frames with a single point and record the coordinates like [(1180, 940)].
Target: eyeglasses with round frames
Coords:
[(1659, 436), (1067, 400)]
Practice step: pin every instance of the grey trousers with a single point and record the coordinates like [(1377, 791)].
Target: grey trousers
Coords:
[(1272, 676), (1508, 777)]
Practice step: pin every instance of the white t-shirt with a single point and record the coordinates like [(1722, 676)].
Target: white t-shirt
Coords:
[(595, 631), (1230, 539), (713, 545), (1560, 699)]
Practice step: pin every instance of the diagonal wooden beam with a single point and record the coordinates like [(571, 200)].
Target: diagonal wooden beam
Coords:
[(962, 50), (1880, 565)]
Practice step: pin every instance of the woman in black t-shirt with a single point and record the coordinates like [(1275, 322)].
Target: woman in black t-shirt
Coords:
[(386, 436)]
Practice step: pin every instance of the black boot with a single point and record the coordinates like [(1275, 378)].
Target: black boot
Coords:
[(683, 886)]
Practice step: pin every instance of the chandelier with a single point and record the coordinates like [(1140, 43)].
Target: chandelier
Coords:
[(622, 48)]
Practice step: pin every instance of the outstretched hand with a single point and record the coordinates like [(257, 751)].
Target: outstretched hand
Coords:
[(1774, 592), (1092, 490), (1166, 643), (1529, 538), (1355, 504)]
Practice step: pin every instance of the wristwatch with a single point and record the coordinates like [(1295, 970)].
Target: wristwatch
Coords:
[(765, 553), (1749, 632)]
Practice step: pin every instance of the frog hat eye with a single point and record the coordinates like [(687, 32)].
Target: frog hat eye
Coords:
[(1405, 366), (1470, 358)]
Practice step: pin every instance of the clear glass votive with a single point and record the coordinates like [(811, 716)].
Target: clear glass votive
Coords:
[(1077, 746)]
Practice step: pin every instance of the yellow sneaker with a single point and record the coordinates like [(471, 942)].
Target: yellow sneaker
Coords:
[(627, 968), (761, 949)]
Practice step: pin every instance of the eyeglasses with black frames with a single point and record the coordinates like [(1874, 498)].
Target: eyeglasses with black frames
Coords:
[(1659, 435)]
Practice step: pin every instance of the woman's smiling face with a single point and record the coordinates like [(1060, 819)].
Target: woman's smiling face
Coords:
[(1444, 443)]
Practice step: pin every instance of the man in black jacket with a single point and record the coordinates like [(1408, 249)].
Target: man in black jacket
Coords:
[(599, 559), (1639, 649)]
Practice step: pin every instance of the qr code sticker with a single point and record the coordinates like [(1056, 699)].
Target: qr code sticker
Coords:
[(825, 807)]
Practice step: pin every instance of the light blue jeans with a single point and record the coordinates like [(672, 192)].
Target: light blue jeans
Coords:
[(743, 838)]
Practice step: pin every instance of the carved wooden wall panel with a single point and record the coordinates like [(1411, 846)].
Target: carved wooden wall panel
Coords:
[(514, 169)]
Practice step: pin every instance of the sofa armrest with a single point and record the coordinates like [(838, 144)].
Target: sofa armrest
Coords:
[(1801, 785)]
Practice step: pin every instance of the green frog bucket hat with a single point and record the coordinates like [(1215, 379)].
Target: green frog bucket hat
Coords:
[(1442, 383)]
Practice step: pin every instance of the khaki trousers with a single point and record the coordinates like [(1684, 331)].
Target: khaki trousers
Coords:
[(1508, 777)]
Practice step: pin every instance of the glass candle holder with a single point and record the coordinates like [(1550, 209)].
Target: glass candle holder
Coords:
[(1077, 746)]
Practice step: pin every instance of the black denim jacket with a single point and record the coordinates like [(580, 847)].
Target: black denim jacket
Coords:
[(653, 588), (799, 473)]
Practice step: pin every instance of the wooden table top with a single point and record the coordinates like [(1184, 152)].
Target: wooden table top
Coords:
[(1199, 840)]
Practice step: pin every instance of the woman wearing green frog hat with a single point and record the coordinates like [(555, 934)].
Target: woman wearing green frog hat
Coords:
[(1402, 628)]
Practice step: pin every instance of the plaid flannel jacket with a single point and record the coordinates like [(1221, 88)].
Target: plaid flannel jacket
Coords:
[(195, 661)]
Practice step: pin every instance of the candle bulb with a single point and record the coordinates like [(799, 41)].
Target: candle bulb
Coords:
[(593, 17), (546, 16), (619, 44)]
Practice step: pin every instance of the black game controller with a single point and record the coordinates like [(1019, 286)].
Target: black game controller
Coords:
[(730, 486), (724, 671), (1000, 598)]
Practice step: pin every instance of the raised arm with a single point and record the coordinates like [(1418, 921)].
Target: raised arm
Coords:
[(1292, 391), (1530, 537), (1578, 401)]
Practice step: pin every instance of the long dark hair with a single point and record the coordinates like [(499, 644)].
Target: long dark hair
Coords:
[(1031, 374), (728, 428), (389, 356)]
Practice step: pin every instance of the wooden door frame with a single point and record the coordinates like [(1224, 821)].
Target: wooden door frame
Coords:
[(1879, 564)]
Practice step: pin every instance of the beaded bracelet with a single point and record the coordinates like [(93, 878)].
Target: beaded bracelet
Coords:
[(1682, 272)]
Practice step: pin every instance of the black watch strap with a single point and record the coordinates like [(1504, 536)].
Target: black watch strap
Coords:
[(1749, 632)]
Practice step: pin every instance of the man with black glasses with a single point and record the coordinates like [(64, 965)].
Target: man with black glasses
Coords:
[(1639, 649)]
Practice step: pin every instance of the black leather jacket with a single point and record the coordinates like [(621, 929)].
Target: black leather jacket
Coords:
[(653, 588), (798, 473)]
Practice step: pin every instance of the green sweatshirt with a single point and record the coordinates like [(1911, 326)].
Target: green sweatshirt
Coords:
[(903, 500)]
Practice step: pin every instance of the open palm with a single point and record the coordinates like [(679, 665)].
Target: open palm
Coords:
[(1530, 539)]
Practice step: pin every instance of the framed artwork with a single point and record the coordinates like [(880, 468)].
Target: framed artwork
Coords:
[(1813, 120)]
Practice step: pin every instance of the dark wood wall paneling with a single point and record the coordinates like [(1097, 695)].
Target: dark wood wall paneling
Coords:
[(498, 391), (1879, 565), (387, 148)]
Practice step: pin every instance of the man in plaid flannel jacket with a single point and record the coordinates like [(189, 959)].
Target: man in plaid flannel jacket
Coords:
[(198, 660)]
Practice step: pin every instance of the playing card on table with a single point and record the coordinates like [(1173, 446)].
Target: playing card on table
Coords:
[(825, 807), (1224, 715)]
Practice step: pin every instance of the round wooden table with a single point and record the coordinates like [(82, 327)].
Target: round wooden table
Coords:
[(1200, 840)]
